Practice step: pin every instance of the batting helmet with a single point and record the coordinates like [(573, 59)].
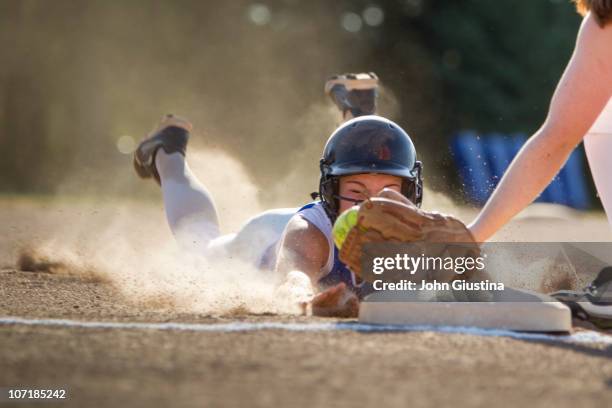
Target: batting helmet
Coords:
[(369, 144)]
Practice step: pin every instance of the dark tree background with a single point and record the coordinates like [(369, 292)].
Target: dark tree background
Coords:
[(77, 75)]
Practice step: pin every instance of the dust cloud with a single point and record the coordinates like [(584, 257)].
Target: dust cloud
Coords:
[(124, 247)]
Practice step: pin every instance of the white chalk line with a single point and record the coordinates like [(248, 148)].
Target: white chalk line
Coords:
[(579, 337)]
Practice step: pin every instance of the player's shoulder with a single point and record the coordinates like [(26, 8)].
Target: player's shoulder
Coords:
[(592, 32), (593, 51), (300, 224), (304, 237)]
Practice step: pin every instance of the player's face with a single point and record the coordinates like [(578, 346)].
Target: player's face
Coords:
[(363, 186)]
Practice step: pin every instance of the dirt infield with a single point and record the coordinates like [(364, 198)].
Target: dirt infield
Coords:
[(275, 367), (135, 367)]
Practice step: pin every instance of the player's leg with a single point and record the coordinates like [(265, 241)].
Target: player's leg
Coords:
[(354, 94), (189, 207), (255, 241)]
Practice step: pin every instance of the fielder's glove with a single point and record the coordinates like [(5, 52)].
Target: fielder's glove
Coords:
[(391, 218)]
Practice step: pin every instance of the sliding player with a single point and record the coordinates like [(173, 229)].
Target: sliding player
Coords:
[(362, 157)]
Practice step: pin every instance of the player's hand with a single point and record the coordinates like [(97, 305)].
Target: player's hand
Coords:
[(337, 301), (295, 290)]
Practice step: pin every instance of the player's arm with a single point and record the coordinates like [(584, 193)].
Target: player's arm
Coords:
[(581, 95), (304, 249)]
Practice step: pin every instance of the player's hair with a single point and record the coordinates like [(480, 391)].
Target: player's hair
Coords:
[(602, 9)]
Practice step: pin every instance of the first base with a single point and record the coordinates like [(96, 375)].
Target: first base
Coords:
[(511, 309)]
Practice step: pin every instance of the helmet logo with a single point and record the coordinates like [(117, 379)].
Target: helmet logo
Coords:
[(384, 153)]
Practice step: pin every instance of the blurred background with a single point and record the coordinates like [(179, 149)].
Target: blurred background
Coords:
[(81, 82)]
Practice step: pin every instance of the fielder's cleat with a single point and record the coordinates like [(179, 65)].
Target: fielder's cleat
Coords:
[(594, 303), (172, 136), (354, 93)]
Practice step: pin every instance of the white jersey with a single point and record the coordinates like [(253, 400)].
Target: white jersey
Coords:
[(598, 147), (258, 239)]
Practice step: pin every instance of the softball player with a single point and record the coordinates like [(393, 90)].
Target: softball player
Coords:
[(363, 156)]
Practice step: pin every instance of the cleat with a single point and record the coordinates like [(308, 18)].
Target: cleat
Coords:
[(594, 303), (354, 93), (171, 135)]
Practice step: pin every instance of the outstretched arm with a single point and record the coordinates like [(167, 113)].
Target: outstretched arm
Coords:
[(581, 95), (304, 250)]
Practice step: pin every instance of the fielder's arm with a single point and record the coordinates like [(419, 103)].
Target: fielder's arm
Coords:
[(581, 95)]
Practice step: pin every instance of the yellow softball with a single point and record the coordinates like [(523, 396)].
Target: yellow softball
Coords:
[(343, 225)]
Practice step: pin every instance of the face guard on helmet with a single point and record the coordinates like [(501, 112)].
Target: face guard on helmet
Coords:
[(368, 144)]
